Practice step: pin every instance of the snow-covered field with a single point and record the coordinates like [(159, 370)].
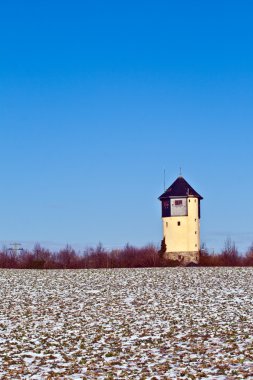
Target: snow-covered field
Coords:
[(172, 323)]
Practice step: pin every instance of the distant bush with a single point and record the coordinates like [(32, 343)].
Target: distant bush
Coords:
[(127, 257), (229, 256)]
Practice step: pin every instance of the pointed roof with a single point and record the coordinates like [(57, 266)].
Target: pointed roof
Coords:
[(180, 188)]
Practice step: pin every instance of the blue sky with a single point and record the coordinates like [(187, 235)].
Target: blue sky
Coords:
[(98, 98)]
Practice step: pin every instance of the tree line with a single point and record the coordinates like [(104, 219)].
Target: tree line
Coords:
[(127, 257)]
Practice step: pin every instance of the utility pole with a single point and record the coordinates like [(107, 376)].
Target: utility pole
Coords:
[(15, 247)]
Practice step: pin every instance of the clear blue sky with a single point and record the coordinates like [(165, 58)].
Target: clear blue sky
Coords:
[(98, 97)]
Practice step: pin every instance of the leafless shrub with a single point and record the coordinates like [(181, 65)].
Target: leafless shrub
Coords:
[(127, 257)]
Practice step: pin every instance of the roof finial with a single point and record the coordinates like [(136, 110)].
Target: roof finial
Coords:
[(180, 172)]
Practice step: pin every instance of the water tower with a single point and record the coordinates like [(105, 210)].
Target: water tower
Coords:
[(181, 221)]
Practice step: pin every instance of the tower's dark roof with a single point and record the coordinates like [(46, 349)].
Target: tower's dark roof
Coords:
[(180, 188)]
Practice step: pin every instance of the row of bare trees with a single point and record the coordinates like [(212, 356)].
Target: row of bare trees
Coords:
[(229, 256), (127, 257), (68, 258)]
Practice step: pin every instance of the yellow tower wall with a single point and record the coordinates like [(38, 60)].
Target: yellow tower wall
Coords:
[(182, 233)]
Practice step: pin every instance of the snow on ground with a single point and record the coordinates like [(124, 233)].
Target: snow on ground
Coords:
[(163, 323)]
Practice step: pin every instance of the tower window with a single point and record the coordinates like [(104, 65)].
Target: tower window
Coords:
[(195, 232), (179, 223), (178, 202), (189, 200), (166, 204)]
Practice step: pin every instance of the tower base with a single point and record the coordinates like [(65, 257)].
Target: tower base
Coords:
[(183, 257)]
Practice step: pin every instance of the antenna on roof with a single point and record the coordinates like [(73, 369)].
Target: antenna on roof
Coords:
[(164, 185)]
